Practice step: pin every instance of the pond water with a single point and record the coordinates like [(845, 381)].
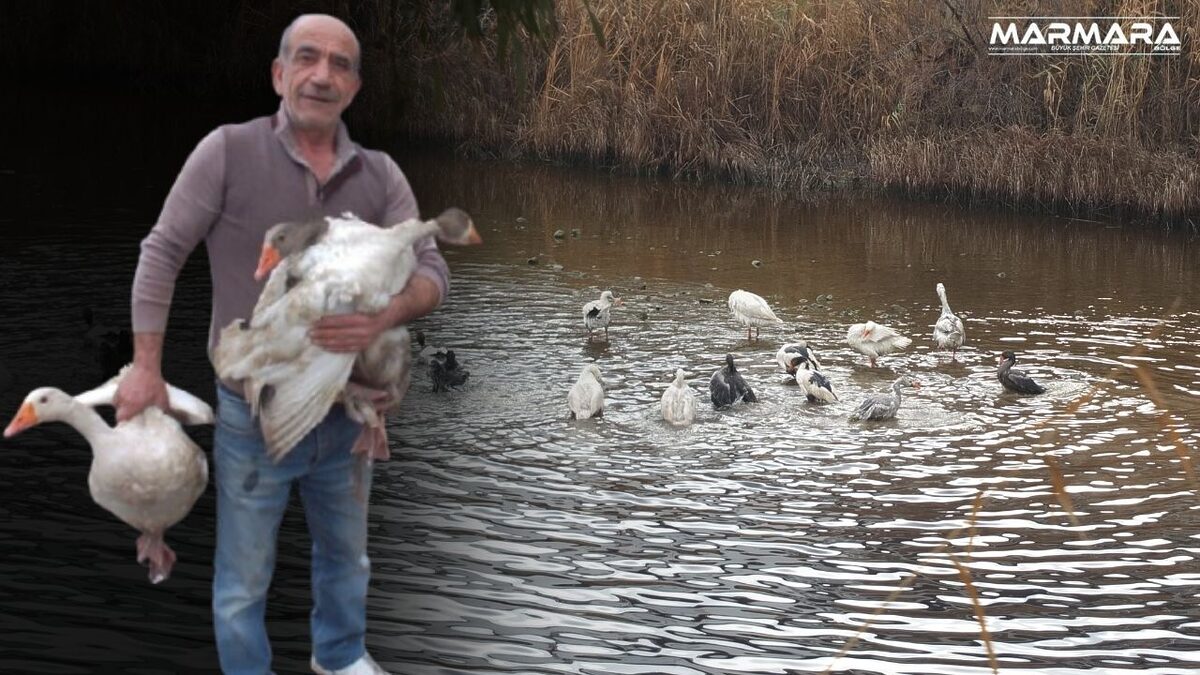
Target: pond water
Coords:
[(770, 538)]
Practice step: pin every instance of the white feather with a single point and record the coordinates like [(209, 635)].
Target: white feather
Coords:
[(586, 398), (678, 404), (750, 309)]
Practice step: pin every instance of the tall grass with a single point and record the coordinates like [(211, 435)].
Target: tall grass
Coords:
[(804, 95)]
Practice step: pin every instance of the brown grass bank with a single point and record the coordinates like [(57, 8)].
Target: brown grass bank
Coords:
[(809, 95)]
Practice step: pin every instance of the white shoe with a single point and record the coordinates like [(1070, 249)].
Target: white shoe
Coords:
[(363, 666)]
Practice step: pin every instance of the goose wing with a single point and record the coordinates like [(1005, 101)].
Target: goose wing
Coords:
[(1023, 383), (874, 408), (948, 328), (818, 387), (185, 407), (720, 389)]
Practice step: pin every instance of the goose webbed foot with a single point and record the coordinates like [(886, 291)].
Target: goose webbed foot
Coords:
[(154, 552)]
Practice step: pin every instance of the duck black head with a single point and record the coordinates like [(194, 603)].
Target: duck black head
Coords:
[(1007, 356), (729, 363)]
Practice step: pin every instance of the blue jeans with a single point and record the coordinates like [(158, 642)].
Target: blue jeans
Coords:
[(252, 494)]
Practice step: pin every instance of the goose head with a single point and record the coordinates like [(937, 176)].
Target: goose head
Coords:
[(905, 381), (864, 330), (680, 377), (608, 299), (285, 239), (455, 227), (45, 404), (594, 371)]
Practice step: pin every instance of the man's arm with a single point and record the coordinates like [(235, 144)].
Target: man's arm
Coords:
[(355, 332), (190, 209)]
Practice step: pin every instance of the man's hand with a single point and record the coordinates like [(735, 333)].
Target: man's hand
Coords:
[(355, 332), (140, 388), (348, 332), (143, 385)]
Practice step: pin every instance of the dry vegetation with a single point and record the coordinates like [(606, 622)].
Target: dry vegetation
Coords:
[(898, 94)]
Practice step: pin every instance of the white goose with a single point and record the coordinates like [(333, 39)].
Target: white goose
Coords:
[(679, 402), (145, 471), (874, 340), (751, 310), (598, 313), (318, 268), (586, 398), (948, 332)]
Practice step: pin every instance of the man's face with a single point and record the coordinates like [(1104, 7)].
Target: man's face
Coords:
[(317, 78)]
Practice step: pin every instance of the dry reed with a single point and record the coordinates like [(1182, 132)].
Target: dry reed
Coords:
[(898, 94)]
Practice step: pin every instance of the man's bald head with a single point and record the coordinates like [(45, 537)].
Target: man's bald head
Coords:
[(330, 23)]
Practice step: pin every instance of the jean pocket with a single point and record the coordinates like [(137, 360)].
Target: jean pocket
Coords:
[(233, 414)]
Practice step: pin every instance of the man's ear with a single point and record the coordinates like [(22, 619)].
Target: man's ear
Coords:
[(354, 90), (277, 75)]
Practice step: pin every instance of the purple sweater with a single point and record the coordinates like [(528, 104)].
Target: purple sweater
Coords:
[(238, 182)]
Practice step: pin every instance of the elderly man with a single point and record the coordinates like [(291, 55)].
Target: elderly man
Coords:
[(240, 180)]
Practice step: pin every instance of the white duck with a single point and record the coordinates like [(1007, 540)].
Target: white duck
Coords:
[(751, 310), (598, 313), (318, 268), (586, 398), (679, 402), (948, 332), (145, 471), (883, 406), (874, 340)]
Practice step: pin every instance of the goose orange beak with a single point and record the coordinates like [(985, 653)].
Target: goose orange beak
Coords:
[(473, 236), (26, 417), (266, 262)]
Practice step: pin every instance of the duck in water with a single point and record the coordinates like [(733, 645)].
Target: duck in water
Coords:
[(446, 372), (884, 406), (727, 387), (1015, 380)]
